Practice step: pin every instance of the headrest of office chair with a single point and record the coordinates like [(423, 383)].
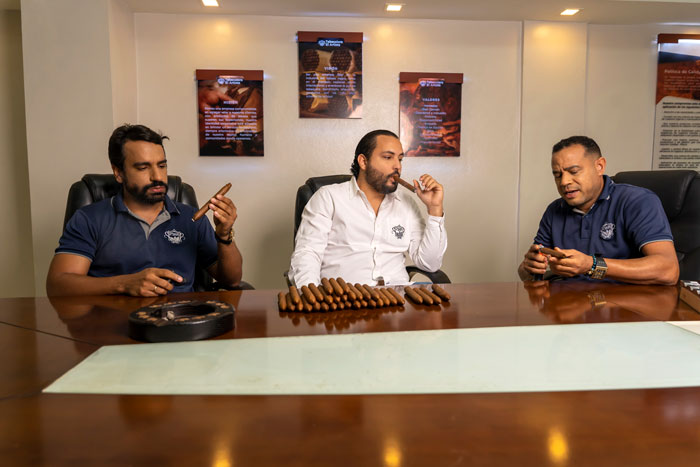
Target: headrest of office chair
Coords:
[(96, 187), (306, 191), (671, 186)]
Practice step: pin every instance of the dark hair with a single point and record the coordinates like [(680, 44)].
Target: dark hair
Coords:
[(125, 133), (590, 146), (366, 146)]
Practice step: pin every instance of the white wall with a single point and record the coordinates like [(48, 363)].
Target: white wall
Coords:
[(68, 99), (107, 66), (481, 185), (17, 271)]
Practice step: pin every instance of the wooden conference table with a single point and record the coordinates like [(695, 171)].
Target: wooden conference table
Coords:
[(41, 339)]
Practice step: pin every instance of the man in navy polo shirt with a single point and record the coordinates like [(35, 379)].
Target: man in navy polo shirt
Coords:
[(600, 229), (140, 242)]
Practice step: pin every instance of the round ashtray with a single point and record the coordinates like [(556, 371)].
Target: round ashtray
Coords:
[(187, 320)]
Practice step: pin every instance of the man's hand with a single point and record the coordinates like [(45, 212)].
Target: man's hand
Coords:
[(432, 194), (574, 264), (149, 282), (533, 263), (224, 215)]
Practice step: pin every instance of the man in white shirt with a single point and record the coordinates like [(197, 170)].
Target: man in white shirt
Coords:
[(360, 230)]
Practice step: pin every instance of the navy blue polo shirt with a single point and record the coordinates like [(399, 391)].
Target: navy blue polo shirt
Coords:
[(618, 225), (117, 243)]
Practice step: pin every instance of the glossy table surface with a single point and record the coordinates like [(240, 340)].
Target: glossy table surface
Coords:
[(41, 339)]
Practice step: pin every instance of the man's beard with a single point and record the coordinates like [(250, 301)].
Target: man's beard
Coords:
[(378, 181), (142, 196)]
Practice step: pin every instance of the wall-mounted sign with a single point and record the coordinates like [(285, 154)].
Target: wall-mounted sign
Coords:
[(330, 74), (677, 124), (230, 111), (430, 113)]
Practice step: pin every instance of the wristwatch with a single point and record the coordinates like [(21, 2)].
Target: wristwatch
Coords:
[(599, 268), (226, 241)]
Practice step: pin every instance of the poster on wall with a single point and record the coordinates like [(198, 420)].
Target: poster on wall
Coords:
[(330, 74), (677, 121), (230, 112), (430, 113)]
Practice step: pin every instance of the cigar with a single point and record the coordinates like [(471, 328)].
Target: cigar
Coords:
[(442, 293), (410, 293), (405, 184), (427, 299), (396, 295), (203, 210), (282, 301), (555, 253), (308, 295), (327, 286), (294, 293), (433, 296), (317, 293)]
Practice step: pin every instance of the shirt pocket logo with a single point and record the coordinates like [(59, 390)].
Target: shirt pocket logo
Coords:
[(398, 231), (175, 236), (607, 231)]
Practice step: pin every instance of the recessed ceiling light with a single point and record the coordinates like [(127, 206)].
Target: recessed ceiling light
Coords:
[(210, 2), (570, 11), (394, 6)]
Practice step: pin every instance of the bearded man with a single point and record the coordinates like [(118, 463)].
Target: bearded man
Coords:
[(362, 229)]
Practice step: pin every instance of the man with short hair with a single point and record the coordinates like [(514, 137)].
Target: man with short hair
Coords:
[(361, 229), (139, 242), (601, 229)]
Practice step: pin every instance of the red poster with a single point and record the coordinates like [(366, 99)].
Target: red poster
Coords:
[(430, 113), (230, 111), (330, 74)]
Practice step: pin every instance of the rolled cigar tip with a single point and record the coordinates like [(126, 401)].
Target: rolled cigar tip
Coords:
[(203, 210), (405, 184)]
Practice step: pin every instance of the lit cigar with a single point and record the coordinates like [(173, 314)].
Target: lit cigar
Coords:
[(203, 210), (405, 184)]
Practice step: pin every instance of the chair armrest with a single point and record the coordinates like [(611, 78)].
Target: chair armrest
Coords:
[(437, 277)]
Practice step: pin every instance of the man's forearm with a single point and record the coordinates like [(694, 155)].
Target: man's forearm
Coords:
[(653, 269), (66, 284), (229, 268)]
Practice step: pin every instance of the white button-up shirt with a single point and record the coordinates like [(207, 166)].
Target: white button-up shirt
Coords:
[(340, 236)]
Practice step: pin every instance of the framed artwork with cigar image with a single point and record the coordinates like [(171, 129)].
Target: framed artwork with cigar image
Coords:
[(230, 112), (330, 74), (430, 113)]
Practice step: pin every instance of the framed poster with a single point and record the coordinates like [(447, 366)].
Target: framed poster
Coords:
[(230, 112), (430, 113), (330, 74), (677, 119)]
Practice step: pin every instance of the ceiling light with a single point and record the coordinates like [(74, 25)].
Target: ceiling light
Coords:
[(570, 11), (394, 6), (210, 3)]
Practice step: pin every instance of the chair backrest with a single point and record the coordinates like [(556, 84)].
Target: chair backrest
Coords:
[(96, 187), (679, 192), (306, 191)]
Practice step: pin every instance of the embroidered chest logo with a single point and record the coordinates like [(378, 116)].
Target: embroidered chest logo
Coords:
[(607, 231), (174, 236), (398, 231)]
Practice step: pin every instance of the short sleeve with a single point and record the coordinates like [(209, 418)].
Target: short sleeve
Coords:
[(646, 220), (79, 237), (544, 232)]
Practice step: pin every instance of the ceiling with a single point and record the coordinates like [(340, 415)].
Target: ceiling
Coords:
[(593, 11)]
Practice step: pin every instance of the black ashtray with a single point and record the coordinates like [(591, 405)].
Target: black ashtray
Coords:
[(186, 320)]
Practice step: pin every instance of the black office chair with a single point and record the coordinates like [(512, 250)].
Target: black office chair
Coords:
[(306, 191), (679, 191), (96, 187)]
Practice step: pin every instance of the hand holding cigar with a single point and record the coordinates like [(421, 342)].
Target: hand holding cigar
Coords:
[(204, 209)]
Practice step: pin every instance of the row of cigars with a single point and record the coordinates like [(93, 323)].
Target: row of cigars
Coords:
[(337, 294)]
